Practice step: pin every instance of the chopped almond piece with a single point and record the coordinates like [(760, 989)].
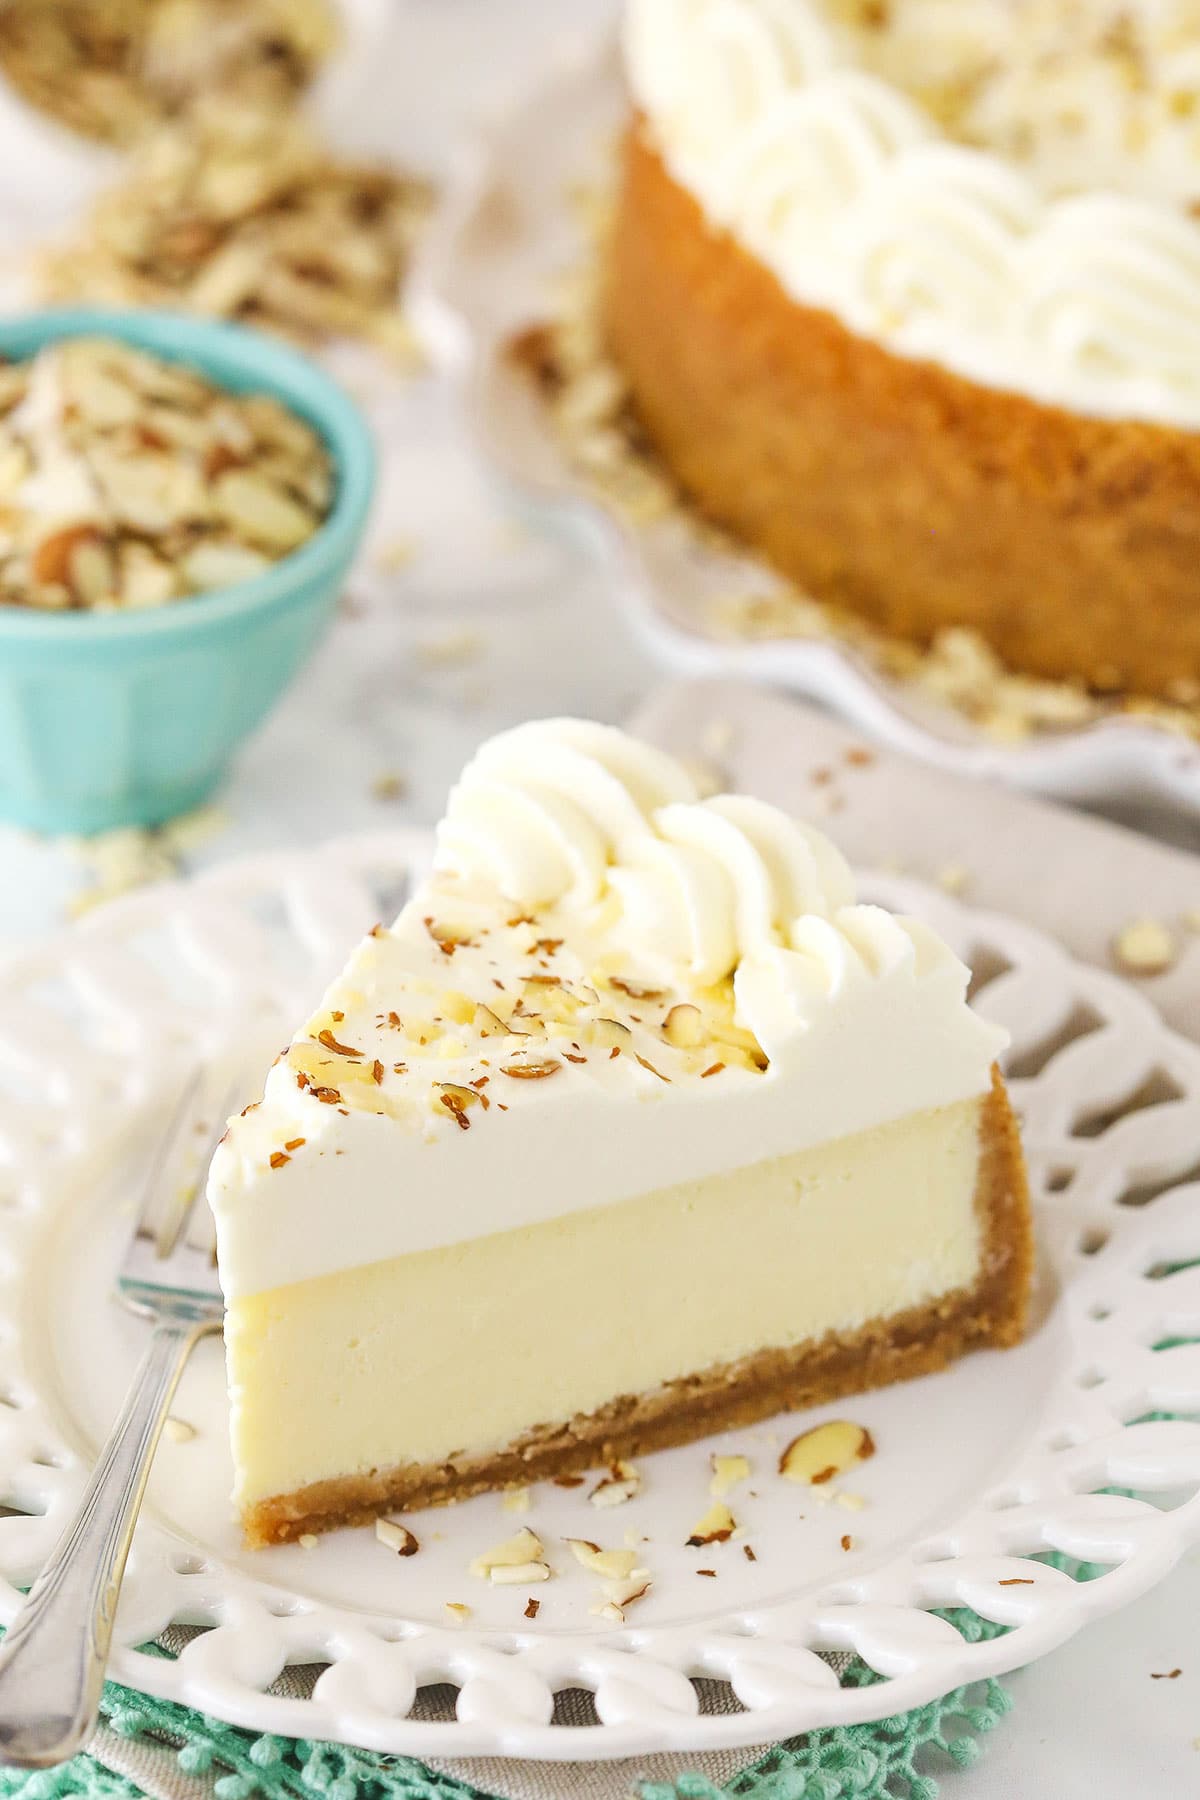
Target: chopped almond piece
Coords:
[(818, 1455), (518, 1574), (716, 1527), (727, 1471), (523, 1552), (615, 1564), (632, 1587), (684, 1027), (531, 1071), (609, 1034), (397, 1537), (1144, 947), (620, 1484)]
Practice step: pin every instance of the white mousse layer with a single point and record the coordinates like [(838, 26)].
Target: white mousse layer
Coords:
[(1006, 187), (608, 987)]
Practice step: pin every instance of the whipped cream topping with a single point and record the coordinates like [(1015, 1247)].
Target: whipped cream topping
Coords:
[(556, 813), (607, 986), (1005, 187)]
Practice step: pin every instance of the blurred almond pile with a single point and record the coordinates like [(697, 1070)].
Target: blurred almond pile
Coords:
[(230, 205), (127, 481), (239, 212), (113, 69)]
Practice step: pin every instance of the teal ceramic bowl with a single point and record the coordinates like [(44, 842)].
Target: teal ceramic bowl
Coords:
[(111, 719)]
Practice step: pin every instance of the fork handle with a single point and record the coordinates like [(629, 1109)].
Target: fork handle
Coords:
[(53, 1657)]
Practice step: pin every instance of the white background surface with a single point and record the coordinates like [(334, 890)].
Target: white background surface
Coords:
[(540, 633)]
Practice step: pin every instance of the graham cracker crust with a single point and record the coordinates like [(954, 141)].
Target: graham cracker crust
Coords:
[(894, 488), (916, 1342)]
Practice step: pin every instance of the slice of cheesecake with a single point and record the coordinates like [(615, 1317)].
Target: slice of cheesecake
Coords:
[(634, 1126)]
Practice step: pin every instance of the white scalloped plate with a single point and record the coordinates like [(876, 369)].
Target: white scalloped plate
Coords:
[(978, 1470), (506, 229)]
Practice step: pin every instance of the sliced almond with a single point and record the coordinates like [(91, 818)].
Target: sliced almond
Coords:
[(620, 1484), (827, 1450), (716, 1527), (684, 1027), (217, 563), (608, 1034), (144, 579), (516, 1500), (456, 1612), (625, 1591), (397, 1537), (151, 493), (487, 1023), (51, 562), (447, 937), (455, 1096), (616, 1565), (537, 988), (531, 1071), (522, 1548), (727, 1471), (92, 573), (647, 1064), (260, 512), (519, 1574)]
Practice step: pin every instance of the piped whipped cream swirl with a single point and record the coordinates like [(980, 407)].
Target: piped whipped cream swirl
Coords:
[(1070, 273), (564, 812), (578, 818)]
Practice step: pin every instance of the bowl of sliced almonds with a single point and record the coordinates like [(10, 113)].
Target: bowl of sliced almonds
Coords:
[(180, 501)]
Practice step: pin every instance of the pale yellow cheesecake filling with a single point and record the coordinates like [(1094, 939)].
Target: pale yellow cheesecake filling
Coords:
[(468, 1346)]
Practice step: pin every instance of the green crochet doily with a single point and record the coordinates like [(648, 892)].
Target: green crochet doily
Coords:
[(894, 1758)]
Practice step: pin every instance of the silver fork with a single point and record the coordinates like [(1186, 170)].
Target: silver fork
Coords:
[(53, 1657)]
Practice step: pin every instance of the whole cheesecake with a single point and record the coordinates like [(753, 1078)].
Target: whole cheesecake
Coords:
[(907, 295), (634, 1126)]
